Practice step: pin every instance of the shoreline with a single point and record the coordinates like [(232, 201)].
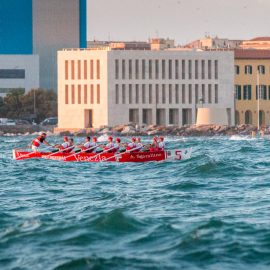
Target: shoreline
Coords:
[(132, 130)]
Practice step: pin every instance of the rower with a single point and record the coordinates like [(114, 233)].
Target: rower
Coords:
[(161, 144), (110, 147), (154, 145), (131, 145), (139, 145), (71, 146), (97, 148), (64, 145), (35, 144), (87, 145)]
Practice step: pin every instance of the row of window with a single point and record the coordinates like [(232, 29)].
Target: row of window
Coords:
[(246, 92), (248, 119), (85, 94), (12, 74), (174, 116), (165, 69), (143, 94), (85, 69), (248, 69)]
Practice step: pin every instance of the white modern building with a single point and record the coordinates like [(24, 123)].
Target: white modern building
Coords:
[(111, 87), (20, 71)]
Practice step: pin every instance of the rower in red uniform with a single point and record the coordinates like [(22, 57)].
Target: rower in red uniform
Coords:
[(161, 144), (131, 145), (154, 145), (110, 147), (64, 145), (35, 144)]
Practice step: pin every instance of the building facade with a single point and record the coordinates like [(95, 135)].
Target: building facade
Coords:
[(252, 87), (111, 87), (38, 27), (21, 71)]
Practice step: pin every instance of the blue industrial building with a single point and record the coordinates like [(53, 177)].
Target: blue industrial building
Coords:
[(41, 27)]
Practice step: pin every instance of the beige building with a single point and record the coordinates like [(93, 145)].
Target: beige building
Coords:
[(111, 87), (259, 43), (252, 87)]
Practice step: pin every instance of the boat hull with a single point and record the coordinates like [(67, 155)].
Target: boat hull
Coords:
[(107, 157)]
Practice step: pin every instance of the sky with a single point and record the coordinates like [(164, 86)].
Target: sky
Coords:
[(182, 20)]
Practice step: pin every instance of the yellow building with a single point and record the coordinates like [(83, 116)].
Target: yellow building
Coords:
[(252, 73)]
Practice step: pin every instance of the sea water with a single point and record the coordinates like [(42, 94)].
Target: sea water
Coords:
[(209, 212)]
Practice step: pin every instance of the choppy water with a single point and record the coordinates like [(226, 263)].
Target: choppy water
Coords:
[(209, 212)]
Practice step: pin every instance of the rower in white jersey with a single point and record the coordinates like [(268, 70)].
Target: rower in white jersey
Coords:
[(161, 144), (139, 144)]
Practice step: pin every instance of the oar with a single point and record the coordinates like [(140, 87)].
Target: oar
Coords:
[(85, 150), (119, 154), (100, 153), (59, 151)]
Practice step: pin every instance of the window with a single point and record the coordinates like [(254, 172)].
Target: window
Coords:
[(92, 69), (174, 116), (98, 94), (123, 69), (216, 93), (66, 94), (157, 93), (150, 69), (248, 69), (209, 93), (79, 94), (66, 71), (203, 69), (157, 68), (176, 69), (196, 69), (189, 69), (269, 92), (123, 93), (248, 118), (134, 115), (163, 67), (196, 93), (203, 93), (183, 93), (209, 69), (236, 70), (116, 69), (85, 94), (116, 94), (261, 69), (137, 94), (262, 92), (170, 69), (79, 69), (163, 93), (92, 94), (143, 94), (216, 69), (190, 93), (237, 118), (137, 69), (183, 69), (72, 94), (130, 69), (72, 70), (150, 94), (130, 94), (247, 92), (143, 69), (170, 94), (85, 69), (238, 92), (177, 94), (147, 116)]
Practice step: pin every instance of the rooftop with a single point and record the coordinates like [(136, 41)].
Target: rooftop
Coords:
[(251, 54), (260, 39)]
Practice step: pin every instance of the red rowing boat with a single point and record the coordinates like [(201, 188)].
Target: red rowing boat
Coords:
[(180, 154)]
